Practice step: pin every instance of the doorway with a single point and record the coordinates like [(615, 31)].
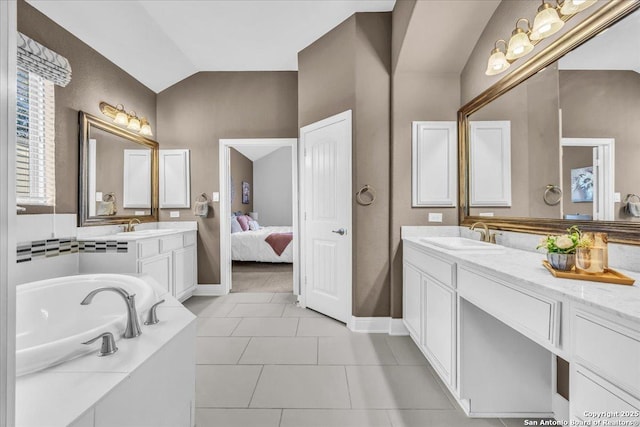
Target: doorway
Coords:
[(258, 233), (588, 177)]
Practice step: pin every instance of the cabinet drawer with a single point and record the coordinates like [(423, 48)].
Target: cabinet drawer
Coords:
[(167, 244), (532, 315), (611, 350), (148, 248), (189, 238), (591, 395), (434, 267)]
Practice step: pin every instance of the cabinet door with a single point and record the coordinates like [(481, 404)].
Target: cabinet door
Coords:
[(184, 261), (175, 190), (439, 327), (411, 301), (160, 269)]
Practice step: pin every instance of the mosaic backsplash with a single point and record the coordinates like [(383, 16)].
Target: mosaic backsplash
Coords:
[(37, 249)]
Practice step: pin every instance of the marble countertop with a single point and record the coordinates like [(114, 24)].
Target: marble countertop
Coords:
[(87, 379), (525, 269)]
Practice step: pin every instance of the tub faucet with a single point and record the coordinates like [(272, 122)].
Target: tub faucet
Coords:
[(484, 232), (133, 326)]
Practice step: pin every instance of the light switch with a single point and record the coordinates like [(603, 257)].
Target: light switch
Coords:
[(215, 196), (99, 195), (617, 198), (435, 217), (174, 214), (485, 214)]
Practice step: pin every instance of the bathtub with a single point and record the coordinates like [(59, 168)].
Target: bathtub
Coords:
[(51, 325)]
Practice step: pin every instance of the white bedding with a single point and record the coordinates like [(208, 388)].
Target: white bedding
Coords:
[(250, 246)]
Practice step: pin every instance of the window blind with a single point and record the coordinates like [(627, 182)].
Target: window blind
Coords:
[(35, 143)]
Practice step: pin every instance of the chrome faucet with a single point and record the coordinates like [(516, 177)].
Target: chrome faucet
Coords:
[(131, 226), (484, 233), (133, 326)]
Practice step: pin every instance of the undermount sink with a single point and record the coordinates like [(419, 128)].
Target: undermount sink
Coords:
[(155, 232), (461, 244)]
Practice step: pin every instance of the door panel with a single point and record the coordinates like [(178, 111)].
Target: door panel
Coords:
[(326, 205)]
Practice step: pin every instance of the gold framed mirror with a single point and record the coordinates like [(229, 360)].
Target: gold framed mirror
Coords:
[(536, 203), (118, 177)]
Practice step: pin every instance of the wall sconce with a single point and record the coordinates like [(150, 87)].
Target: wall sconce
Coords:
[(548, 21), (130, 120), (497, 61)]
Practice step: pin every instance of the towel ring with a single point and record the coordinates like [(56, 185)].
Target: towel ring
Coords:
[(552, 195), (366, 189), (629, 198), (202, 198)]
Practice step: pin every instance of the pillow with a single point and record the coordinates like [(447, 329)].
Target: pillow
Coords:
[(244, 222), (253, 225), (235, 225)]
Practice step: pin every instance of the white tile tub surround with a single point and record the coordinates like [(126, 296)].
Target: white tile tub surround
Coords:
[(31, 228), (621, 256)]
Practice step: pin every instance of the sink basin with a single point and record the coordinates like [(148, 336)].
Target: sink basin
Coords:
[(461, 244)]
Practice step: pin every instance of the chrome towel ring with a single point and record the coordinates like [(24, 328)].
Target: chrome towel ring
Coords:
[(370, 199), (552, 195)]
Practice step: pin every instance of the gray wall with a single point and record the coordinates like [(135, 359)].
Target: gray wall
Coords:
[(241, 170), (349, 69), (273, 184), (198, 111), (94, 79), (605, 104)]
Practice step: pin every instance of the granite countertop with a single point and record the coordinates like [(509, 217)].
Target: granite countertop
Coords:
[(524, 268)]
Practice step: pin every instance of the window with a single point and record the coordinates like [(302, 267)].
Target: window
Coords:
[(35, 144)]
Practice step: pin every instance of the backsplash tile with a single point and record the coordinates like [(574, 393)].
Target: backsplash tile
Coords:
[(30, 251)]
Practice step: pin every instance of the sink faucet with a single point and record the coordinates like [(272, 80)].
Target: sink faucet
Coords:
[(484, 233), (133, 326), (131, 226)]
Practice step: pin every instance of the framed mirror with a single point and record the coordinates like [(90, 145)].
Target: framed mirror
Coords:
[(118, 174), (555, 143)]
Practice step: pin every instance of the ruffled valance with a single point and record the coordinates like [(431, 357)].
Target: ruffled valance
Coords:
[(36, 58)]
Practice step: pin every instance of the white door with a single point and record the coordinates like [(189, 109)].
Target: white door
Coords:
[(326, 212)]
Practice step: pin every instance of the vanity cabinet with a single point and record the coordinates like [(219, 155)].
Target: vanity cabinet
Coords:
[(171, 260), (429, 304)]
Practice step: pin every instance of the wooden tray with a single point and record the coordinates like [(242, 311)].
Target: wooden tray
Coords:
[(609, 275)]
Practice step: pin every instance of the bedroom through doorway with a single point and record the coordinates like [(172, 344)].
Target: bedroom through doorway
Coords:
[(260, 240)]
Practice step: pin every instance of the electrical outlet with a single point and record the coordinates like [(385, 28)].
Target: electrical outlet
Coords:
[(215, 196), (485, 214), (435, 217), (139, 213), (617, 198), (99, 195), (174, 214)]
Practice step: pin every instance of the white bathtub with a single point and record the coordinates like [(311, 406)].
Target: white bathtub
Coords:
[(51, 325)]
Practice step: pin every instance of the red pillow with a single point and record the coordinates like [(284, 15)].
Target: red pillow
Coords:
[(244, 222)]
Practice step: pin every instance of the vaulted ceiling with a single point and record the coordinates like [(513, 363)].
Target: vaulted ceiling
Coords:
[(164, 41)]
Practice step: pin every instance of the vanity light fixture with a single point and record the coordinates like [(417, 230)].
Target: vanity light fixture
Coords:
[(497, 61), (519, 43), (129, 119), (570, 7), (546, 23)]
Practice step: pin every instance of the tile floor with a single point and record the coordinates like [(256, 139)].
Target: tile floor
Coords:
[(264, 362)]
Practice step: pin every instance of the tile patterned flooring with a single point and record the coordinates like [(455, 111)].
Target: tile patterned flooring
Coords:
[(262, 361)]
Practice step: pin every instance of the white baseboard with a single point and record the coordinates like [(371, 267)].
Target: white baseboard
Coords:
[(373, 325), (209, 291), (396, 327)]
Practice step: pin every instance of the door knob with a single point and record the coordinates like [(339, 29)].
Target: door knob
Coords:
[(340, 231)]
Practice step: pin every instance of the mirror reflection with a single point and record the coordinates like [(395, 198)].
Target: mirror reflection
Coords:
[(117, 173), (564, 143)]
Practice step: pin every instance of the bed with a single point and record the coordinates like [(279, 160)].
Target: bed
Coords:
[(251, 246)]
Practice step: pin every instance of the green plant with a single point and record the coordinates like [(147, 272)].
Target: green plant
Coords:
[(566, 243)]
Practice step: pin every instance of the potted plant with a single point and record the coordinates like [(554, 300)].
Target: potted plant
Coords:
[(561, 250)]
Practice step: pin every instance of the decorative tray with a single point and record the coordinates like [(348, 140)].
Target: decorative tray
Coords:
[(609, 275)]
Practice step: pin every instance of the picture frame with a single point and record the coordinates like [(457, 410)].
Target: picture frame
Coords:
[(245, 193), (582, 185)]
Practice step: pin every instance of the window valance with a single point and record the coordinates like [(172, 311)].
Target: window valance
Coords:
[(36, 58)]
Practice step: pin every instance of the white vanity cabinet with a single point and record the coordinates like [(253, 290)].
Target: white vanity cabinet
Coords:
[(429, 304), (170, 259)]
